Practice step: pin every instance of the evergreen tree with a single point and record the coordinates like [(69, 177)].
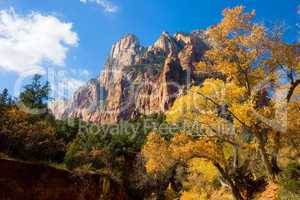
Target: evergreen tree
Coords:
[(36, 94), (4, 97)]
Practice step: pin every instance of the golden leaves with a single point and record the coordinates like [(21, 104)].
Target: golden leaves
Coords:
[(157, 154), (202, 104), (202, 67), (203, 166), (234, 21), (239, 46), (192, 195), (244, 102), (243, 113), (285, 54), (161, 154)]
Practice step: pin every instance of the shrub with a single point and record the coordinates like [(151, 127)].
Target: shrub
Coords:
[(290, 182), (29, 140)]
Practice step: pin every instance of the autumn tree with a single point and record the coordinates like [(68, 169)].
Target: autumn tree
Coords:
[(164, 156), (285, 60), (252, 63), (238, 53), (245, 107), (27, 136), (23, 138)]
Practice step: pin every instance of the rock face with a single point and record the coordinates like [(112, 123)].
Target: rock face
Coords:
[(138, 80)]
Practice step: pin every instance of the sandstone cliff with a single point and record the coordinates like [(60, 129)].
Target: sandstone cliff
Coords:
[(138, 80)]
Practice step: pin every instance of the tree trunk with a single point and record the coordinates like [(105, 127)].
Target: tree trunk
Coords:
[(160, 193), (234, 189), (275, 152), (292, 89), (235, 156), (264, 156)]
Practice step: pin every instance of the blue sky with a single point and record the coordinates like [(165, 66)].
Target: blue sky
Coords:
[(99, 23)]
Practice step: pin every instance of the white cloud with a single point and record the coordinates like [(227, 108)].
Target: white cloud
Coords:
[(84, 73), (105, 4), (29, 43)]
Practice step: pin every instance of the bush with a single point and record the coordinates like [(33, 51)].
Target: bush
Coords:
[(88, 148), (290, 182), (29, 140), (67, 129)]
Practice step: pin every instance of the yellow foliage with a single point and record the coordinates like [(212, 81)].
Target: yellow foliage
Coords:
[(228, 151), (234, 20), (227, 108), (239, 43), (162, 155), (157, 154), (203, 166), (202, 67), (285, 54), (192, 195), (202, 105), (243, 113)]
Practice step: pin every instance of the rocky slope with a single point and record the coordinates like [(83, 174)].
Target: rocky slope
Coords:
[(30, 181), (138, 80)]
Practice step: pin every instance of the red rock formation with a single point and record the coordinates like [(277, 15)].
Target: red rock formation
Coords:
[(138, 80)]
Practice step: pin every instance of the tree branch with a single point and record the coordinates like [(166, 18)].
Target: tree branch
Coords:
[(233, 115), (292, 89)]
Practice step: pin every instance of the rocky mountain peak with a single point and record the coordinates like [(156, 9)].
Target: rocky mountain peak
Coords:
[(167, 44), (182, 38), (125, 50), (138, 80)]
